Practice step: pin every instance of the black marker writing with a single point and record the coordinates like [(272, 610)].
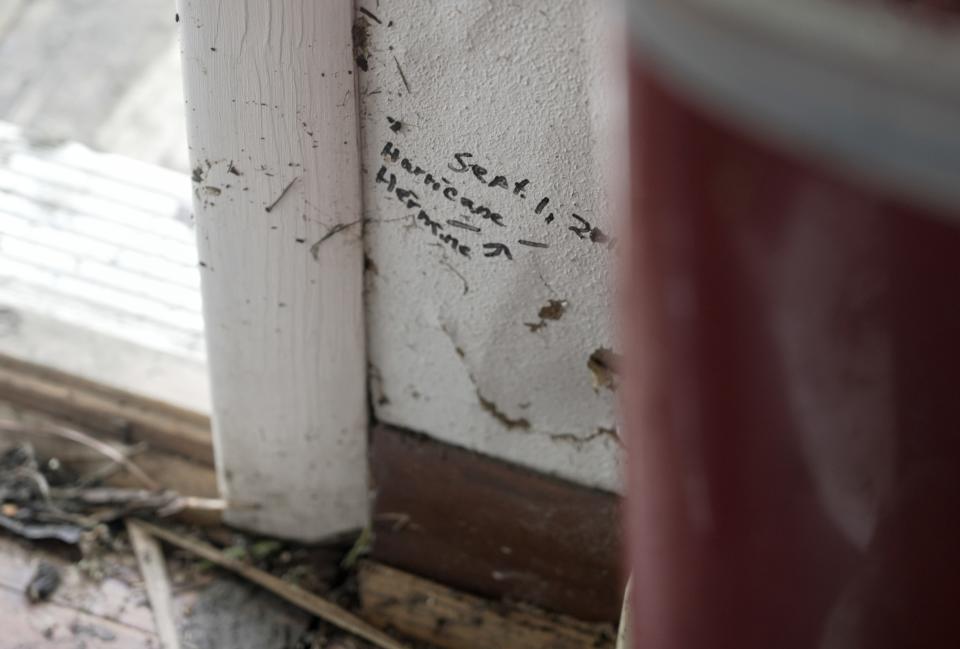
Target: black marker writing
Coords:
[(392, 153), (480, 173), (532, 244), (496, 249), (463, 166), (584, 228), (461, 224)]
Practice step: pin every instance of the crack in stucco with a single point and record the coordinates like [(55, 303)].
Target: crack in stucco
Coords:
[(522, 423), (445, 262), (489, 406), (578, 441)]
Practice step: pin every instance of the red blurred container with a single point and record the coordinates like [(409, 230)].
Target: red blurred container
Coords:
[(794, 412)]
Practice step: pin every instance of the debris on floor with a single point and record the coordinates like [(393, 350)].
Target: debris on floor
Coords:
[(88, 571), (44, 583), (323, 608), (85, 564), (233, 613), (44, 499)]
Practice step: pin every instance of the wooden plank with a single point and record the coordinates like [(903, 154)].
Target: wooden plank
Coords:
[(154, 571), (271, 101), (103, 613), (212, 610), (110, 598), (498, 530), (69, 346), (446, 618), (55, 625), (106, 410)]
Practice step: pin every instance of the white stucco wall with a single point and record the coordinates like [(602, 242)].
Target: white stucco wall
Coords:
[(459, 347)]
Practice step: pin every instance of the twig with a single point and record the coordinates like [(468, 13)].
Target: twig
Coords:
[(339, 227), (367, 12), (100, 496), (360, 547), (67, 533), (150, 559), (624, 632), (86, 440), (403, 77), (128, 501), (108, 469), (293, 594), (272, 205), (193, 503), (38, 479), (446, 262)]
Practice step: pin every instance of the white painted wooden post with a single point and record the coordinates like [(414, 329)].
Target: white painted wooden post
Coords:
[(272, 127)]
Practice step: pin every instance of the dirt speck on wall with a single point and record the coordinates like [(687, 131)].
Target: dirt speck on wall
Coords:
[(552, 310)]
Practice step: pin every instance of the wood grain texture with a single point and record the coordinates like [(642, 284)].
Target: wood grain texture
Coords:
[(446, 618), (101, 409), (154, 571), (212, 609), (82, 612), (173, 471), (272, 126), (483, 526)]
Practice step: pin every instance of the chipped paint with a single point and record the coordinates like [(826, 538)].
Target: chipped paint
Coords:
[(604, 365), (552, 310)]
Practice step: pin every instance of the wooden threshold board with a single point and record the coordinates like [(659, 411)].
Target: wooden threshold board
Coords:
[(427, 611), (105, 410), (497, 530), (171, 470)]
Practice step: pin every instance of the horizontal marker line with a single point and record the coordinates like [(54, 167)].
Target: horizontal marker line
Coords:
[(465, 226), (532, 244)]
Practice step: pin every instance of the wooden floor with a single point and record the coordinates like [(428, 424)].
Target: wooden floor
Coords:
[(106, 607), (102, 602)]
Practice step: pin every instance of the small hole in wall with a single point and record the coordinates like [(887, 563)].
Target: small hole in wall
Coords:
[(605, 367)]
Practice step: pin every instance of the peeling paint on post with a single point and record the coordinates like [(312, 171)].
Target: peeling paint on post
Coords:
[(272, 127)]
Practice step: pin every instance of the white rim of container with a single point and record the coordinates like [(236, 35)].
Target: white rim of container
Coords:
[(857, 84)]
